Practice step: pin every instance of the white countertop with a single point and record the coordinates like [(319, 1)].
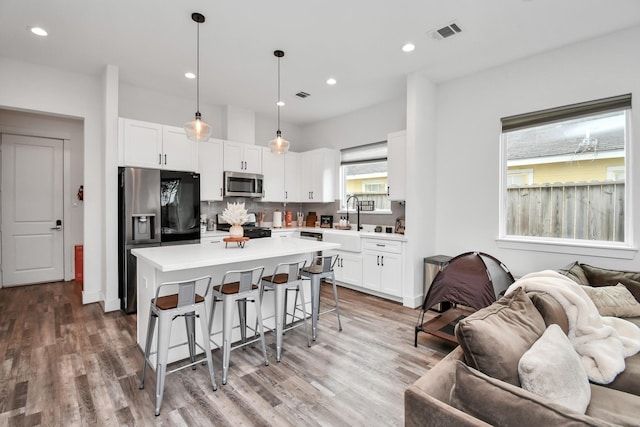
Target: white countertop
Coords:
[(182, 257)]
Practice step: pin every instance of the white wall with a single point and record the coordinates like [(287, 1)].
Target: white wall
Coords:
[(360, 127), (35, 88), (468, 139)]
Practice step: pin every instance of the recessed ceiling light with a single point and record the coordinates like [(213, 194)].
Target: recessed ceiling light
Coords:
[(331, 81), (280, 103), (409, 47), (190, 75), (38, 31)]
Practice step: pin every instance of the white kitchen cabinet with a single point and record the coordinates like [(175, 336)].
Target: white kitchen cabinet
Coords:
[(382, 266), (151, 145), (273, 169), (318, 175), (239, 157), (281, 176), (292, 177), (397, 165), (348, 268), (210, 167)]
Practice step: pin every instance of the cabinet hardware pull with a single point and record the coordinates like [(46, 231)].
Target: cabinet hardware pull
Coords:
[(165, 159), (220, 191), (388, 191), (381, 245), (378, 261), (159, 159), (286, 195), (382, 260)]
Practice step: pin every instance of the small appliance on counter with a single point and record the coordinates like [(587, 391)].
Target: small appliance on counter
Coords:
[(249, 227), (400, 225), (326, 221)]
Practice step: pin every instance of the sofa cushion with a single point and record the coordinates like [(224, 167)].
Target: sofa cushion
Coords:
[(604, 277), (614, 406), (564, 381), (629, 379), (575, 272), (613, 300), (495, 337), (501, 404), (551, 310)]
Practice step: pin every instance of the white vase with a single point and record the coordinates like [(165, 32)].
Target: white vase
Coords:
[(236, 231)]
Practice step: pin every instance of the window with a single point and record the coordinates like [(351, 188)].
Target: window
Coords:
[(564, 173), (363, 173)]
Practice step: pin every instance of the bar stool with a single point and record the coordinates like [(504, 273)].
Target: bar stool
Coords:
[(239, 286), (185, 303), (286, 277), (321, 268)]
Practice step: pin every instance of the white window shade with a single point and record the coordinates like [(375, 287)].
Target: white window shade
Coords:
[(364, 153)]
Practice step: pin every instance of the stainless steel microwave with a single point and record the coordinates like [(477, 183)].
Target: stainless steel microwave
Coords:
[(240, 184)]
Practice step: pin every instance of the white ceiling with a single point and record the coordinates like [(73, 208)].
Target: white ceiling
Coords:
[(153, 42)]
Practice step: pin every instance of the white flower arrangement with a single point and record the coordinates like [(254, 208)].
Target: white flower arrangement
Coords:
[(235, 213)]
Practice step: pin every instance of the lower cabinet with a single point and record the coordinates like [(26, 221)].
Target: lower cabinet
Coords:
[(382, 266), (348, 268)]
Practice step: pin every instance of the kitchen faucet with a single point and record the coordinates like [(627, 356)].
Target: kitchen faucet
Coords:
[(353, 196)]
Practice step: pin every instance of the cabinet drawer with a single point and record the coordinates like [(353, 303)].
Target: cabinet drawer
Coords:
[(382, 245)]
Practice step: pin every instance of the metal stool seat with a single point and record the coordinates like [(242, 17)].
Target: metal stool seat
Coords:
[(321, 268), (238, 287), (185, 303), (281, 283)]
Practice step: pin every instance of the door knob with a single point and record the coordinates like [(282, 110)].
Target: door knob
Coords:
[(58, 225)]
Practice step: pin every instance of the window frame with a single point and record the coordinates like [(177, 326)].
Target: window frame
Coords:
[(625, 249)]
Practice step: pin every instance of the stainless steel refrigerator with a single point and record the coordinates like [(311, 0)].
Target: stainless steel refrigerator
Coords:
[(154, 208)]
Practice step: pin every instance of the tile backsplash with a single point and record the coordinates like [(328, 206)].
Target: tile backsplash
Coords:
[(253, 205)]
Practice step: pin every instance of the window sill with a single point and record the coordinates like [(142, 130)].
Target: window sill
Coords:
[(600, 249), (353, 212)]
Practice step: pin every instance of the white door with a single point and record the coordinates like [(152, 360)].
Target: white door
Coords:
[(233, 160), (179, 153), (252, 155), (32, 241), (273, 172)]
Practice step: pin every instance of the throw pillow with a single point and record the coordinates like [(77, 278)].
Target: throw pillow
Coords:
[(603, 277), (501, 404), (495, 338), (551, 368), (613, 300), (575, 272)]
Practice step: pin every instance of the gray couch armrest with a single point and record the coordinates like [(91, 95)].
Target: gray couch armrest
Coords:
[(421, 409)]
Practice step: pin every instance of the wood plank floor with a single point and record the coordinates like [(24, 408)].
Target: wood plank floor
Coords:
[(63, 363)]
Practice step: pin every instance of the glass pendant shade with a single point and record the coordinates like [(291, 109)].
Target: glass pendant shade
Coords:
[(198, 130), (279, 145)]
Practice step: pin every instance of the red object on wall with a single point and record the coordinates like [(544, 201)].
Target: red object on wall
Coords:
[(79, 254)]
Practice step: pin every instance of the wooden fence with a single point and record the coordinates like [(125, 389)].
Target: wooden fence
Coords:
[(589, 211)]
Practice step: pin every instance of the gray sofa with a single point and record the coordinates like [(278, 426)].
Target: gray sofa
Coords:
[(475, 385)]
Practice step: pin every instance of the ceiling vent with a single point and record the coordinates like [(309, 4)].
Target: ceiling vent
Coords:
[(303, 95), (445, 32)]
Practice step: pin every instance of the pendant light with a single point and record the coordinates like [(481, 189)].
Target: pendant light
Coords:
[(197, 130), (279, 145)]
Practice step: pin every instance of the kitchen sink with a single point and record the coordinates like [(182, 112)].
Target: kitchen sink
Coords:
[(349, 240)]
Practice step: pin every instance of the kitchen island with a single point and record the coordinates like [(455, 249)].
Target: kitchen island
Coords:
[(172, 263)]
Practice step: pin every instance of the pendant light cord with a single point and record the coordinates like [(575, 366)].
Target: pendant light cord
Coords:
[(278, 94), (198, 69)]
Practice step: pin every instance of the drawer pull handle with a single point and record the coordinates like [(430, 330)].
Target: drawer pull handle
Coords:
[(380, 244)]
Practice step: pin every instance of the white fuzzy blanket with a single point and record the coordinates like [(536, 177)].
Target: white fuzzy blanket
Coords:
[(602, 342)]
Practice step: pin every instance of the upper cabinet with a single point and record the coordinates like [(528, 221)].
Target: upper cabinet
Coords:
[(281, 176), (239, 157), (273, 171), (397, 165), (150, 145), (292, 177), (210, 168), (318, 175)]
